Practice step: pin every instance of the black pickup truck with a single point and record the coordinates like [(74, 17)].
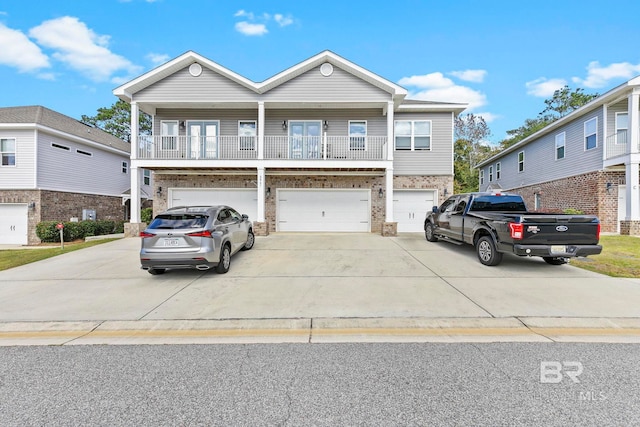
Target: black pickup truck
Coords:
[(496, 223)]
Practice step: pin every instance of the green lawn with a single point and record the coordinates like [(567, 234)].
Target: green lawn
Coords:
[(620, 257), (10, 258)]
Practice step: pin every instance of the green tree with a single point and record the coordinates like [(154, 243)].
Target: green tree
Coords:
[(563, 102), (470, 133), (116, 120)]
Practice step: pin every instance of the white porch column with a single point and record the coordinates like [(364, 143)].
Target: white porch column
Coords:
[(632, 190), (261, 192), (390, 141), (135, 176), (389, 195), (261, 130)]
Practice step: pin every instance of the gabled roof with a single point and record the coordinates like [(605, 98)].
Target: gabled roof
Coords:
[(126, 91), (39, 115), (609, 97)]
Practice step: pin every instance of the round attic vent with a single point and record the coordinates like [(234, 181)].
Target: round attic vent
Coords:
[(326, 69), (195, 69)]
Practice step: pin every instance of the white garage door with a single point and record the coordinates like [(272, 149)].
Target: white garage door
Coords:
[(243, 200), (13, 224), (410, 208), (324, 210)]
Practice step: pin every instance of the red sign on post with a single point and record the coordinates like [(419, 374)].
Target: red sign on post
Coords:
[(59, 226)]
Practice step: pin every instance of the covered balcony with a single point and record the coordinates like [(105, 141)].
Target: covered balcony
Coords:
[(619, 144)]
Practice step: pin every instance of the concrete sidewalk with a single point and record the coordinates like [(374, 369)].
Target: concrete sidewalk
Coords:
[(314, 288)]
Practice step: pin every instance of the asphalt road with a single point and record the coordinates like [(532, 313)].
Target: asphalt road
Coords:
[(321, 384)]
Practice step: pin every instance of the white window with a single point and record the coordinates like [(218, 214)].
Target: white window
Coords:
[(169, 134), (247, 135), (413, 135), (622, 125), (498, 168), (560, 145), (490, 173), (8, 151), (537, 201), (125, 167), (590, 132), (357, 135), (521, 161), (146, 176), (481, 176)]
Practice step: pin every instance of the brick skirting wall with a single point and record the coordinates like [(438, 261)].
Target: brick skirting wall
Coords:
[(587, 192), (374, 183), (60, 206)]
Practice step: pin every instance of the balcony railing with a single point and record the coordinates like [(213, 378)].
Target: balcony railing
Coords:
[(618, 144), (275, 148)]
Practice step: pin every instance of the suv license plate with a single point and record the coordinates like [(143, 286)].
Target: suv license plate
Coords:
[(171, 242), (558, 249)]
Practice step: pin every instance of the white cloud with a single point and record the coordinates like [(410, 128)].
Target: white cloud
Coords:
[(16, 50), (544, 87), (158, 58), (436, 87), (474, 76), (244, 14), (82, 49), (249, 29), (488, 117), (599, 76), (282, 20)]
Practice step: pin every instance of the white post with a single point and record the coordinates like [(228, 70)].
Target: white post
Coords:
[(135, 178), (631, 168), (261, 130), (389, 195), (261, 194), (390, 142)]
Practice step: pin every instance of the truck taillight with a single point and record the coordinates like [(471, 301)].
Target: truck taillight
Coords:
[(144, 234), (598, 232), (517, 230)]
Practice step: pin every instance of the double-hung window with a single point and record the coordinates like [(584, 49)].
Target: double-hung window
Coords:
[(357, 135), (169, 134), (125, 167), (412, 135), (481, 176), (590, 134), (561, 139), (622, 126), (8, 151), (498, 167), (247, 135), (146, 176), (490, 173), (521, 161)]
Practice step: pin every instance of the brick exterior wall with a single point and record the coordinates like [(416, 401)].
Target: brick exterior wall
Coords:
[(374, 183), (59, 206), (587, 192)]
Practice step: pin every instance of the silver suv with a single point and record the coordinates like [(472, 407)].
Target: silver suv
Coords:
[(200, 237)]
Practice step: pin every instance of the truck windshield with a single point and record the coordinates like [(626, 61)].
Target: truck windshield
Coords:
[(498, 204)]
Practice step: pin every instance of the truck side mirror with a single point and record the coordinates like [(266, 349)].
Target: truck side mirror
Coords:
[(435, 209)]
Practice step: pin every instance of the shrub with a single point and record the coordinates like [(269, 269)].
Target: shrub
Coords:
[(47, 231), (572, 211), (146, 215)]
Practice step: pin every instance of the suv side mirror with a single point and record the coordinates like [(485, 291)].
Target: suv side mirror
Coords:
[(435, 209), (245, 217)]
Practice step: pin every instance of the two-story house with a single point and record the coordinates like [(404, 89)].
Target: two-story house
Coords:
[(587, 160), (55, 168), (325, 145)]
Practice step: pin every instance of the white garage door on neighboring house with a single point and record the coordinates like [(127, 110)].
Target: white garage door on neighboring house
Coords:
[(410, 208), (14, 224), (312, 210), (244, 200)]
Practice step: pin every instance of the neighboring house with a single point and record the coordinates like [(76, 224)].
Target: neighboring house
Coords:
[(56, 168), (325, 145), (587, 160)]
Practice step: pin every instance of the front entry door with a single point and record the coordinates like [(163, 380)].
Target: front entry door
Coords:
[(203, 140), (305, 140)]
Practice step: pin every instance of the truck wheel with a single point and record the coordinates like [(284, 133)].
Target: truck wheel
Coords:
[(487, 253), (555, 260), (429, 233)]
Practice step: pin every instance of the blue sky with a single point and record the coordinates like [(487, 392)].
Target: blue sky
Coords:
[(503, 58)]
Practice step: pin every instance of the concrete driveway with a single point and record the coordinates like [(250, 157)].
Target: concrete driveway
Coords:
[(345, 283)]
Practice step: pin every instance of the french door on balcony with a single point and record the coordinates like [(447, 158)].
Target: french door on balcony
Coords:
[(305, 140), (202, 139)]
